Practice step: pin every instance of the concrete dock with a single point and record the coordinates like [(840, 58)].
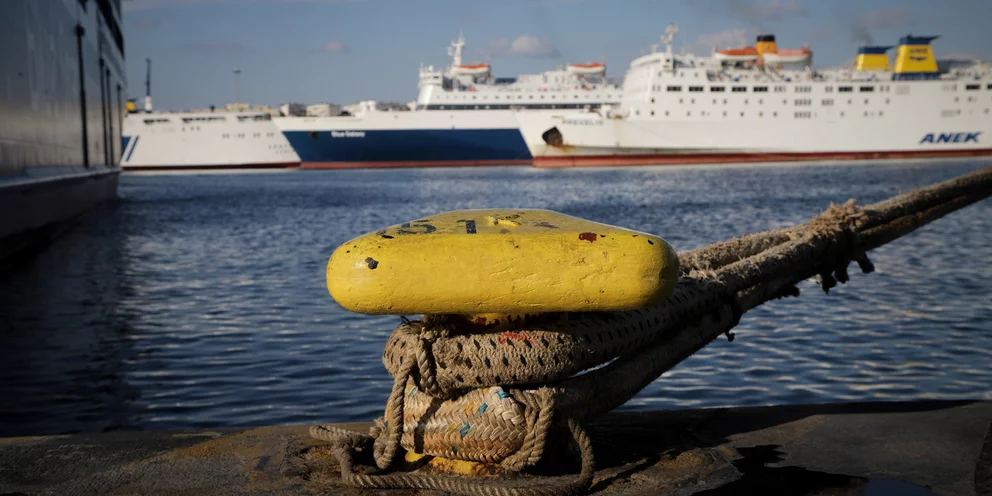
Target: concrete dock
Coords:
[(904, 448)]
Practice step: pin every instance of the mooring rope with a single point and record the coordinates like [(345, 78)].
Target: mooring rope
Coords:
[(449, 397)]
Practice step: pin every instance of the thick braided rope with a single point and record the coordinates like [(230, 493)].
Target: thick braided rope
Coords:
[(387, 444), (344, 443), (540, 408)]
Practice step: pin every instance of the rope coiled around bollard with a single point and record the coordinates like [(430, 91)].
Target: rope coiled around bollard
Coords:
[(441, 410)]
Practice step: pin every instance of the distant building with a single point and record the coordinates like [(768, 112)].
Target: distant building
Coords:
[(295, 109), (372, 105), (392, 106), (323, 110), (268, 109), (238, 107)]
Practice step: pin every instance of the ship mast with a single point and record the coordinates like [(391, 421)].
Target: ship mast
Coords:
[(148, 86), (668, 40), (455, 50)]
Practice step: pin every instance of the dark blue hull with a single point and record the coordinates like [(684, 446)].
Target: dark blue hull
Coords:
[(409, 147)]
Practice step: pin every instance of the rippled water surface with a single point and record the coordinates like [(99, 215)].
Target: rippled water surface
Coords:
[(198, 299)]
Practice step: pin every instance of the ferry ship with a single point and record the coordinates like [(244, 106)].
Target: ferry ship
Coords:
[(204, 140), (62, 102), (201, 140), (762, 103), (462, 117)]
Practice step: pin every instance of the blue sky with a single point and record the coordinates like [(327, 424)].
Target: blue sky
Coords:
[(343, 51)]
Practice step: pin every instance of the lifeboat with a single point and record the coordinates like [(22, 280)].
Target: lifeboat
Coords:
[(587, 69), (789, 56), (745, 54), (471, 69)]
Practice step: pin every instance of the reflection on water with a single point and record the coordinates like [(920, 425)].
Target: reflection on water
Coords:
[(199, 300)]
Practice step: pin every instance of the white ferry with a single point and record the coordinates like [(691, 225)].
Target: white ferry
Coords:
[(463, 116), (762, 103), (204, 140)]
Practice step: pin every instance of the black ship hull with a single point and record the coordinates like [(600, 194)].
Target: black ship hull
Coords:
[(62, 94)]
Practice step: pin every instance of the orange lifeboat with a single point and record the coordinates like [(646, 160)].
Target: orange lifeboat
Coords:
[(471, 69), (587, 69), (789, 56), (744, 54)]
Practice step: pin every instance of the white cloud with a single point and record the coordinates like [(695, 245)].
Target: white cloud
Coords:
[(525, 45), (336, 47)]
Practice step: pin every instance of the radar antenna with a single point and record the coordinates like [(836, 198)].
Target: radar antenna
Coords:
[(455, 50), (668, 40), (669, 37)]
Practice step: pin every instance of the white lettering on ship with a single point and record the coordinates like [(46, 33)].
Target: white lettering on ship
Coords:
[(582, 122), (347, 134)]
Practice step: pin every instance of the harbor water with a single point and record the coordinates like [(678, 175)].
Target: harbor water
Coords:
[(198, 300)]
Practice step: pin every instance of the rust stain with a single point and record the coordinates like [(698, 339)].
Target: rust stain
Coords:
[(588, 236), (507, 336)]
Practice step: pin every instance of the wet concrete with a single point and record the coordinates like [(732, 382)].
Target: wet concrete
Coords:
[(906, 448)]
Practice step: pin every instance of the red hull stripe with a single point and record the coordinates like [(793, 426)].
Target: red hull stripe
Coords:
[(273, 165), (724, 158), (409, 163)]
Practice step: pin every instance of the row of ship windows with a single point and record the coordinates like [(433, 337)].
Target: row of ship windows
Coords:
[(807, 101), (242, 135), (805, 114), (206, 119), (798, 102), (764, 89), (955, 113), (519, 97), (804, 89)]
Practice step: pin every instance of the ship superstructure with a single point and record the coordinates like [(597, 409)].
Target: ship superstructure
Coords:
[(762, 103), (202, 140), (464, 116), (468, 86)]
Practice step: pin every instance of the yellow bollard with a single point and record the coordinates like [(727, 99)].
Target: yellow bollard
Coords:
[(501, 262)]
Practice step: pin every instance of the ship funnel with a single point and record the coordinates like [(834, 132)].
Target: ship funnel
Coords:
[(872, 58), (764, 44), (915, 59)]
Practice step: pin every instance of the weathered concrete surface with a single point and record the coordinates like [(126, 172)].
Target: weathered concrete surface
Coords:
[(881, 448)]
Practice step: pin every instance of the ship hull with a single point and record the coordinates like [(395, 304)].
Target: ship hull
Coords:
[(590, 159), (62, 108), (204, 141), (407, 139), (927, 120)]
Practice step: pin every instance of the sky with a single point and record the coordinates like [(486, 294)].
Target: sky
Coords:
[(344, 51)]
